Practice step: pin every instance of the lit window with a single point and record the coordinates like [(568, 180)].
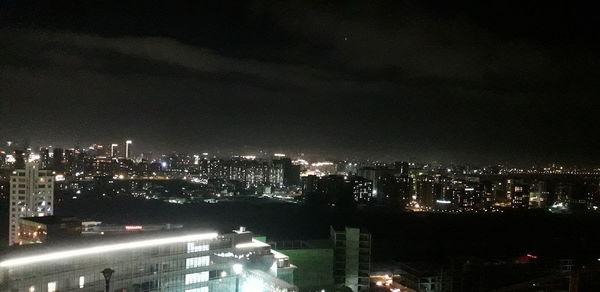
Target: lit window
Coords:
[(196, 247), (196, 278), (32, 289), (51, 286), (197, 262), (81, 282)]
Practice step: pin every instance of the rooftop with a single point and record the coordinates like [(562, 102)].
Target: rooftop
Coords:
[(48, 220), (30, 254)]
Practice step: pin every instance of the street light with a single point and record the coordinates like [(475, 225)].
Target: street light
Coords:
[(107, 273)]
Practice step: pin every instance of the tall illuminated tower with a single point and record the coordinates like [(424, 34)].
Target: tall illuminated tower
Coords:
[(31, 195), (128, 149), (112, 149)]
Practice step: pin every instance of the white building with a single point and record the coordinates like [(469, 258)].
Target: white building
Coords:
[(128, 149), (31, 195), (178, 261)]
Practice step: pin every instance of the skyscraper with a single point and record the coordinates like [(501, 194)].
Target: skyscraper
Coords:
[(58, 159), (31, 195), (112, 149), (19, 159), (44, 158), (128, 149)]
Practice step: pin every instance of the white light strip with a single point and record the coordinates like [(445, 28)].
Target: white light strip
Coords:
[(254, 243), (104, 248), (278, 255)]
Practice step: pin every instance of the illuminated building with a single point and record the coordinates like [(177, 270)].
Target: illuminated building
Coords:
[(163, 261), (519, 196), (391, 185), (112, 149), (276, 174), (248, 170), (337, 190), (31, 195), (74, 161), (44, 158), (48, 229), (2, 159), (352, 258), (128, 149), (423, 189), (362, 189), (417, 276)]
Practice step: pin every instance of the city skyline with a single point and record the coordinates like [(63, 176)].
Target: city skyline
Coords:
[(396, 79), (140, 151), (299, 146)]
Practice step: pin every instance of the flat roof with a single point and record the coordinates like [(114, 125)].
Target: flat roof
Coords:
[(51, 219), (36, 253)]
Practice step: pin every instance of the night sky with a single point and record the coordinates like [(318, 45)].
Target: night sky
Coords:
[(473, 81)]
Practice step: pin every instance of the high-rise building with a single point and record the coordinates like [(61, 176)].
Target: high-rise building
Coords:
[(182, 260), (291, 172), (390, 184), (58, 159), (352, 258), (128, 144), (69, 164), (20, 159), (2, 159), (519, 196), (113, 149), (362, 189), (45, 158), (31, 195)]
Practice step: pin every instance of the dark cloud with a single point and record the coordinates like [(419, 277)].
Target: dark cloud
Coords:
[(391, 80)]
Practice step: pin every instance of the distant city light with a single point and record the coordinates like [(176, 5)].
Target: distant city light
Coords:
[(300, 162), (10, 158), (33, 157), (325, 163)]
